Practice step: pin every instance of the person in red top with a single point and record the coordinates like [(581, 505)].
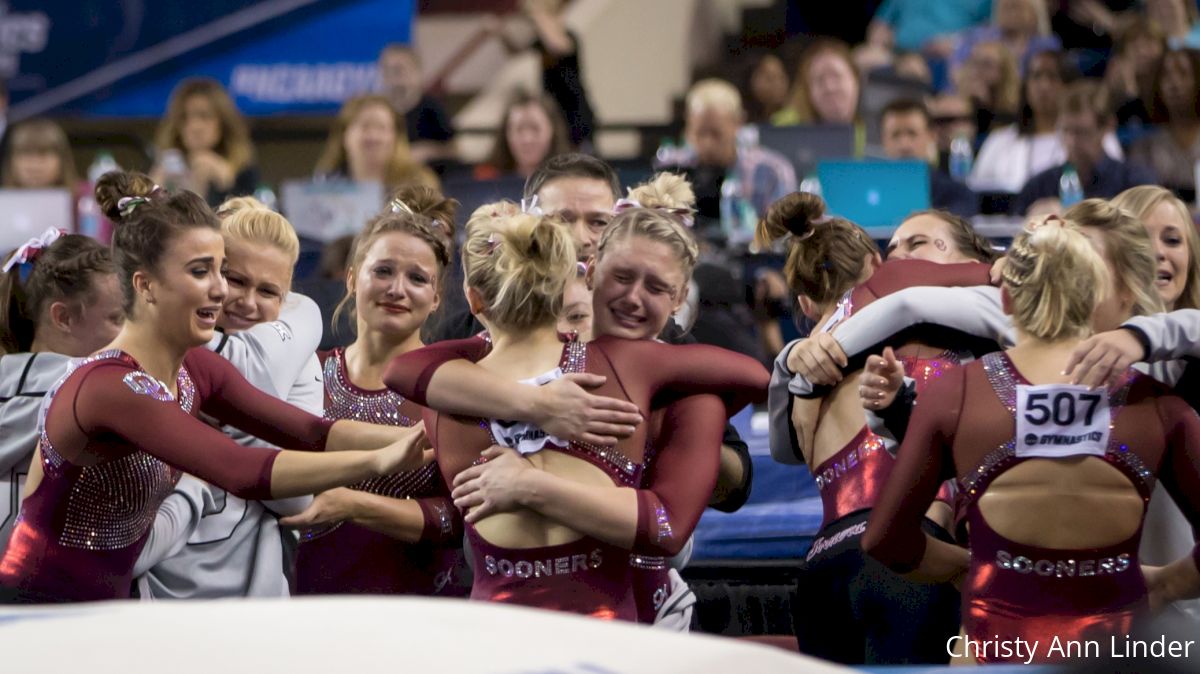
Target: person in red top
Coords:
[(570, 551), (866, 613), (398, 534), (120, 427), (1036, 459)]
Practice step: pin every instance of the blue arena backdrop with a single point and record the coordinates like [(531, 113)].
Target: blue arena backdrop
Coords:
[(122, 57)]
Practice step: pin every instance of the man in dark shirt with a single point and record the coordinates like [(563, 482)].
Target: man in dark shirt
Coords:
[(430, 133), (1085, 116), (908, 134)]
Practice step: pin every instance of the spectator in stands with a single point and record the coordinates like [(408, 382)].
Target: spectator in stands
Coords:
[(990, 79), (714, 114), (1012, 154), (1179, 18), (3, 123), (430, 132), (766, 87), (532, 130), (38, 156), (953, 117), (1130, 72), (205, 126), (925, 25), (368, 144), (1023, 26), (1085, 116), (827, 90), (1174, 147), (907, 135), (578, 188), (562, 74)]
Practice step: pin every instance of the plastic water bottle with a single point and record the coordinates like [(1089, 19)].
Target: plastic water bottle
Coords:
[(266, 195), (1070, 189), (91, 221), (961, 158), (103, 163), (174, 169), (811, 184), (669, 155)]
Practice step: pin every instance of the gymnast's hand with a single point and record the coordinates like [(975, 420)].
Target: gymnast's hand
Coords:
[(1100, 359), (328, 507), (410, 452), (881, 379), (490, 487), (819, 359), (566, 410)]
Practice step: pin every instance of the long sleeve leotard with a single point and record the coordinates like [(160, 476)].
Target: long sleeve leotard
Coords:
[(113, 441)]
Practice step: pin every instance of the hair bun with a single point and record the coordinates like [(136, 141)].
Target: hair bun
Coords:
[(794, 214)]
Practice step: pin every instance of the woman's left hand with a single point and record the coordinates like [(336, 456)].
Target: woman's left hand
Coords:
[(491, 487)]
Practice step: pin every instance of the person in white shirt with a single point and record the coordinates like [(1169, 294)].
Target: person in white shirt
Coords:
[(1014, 153)]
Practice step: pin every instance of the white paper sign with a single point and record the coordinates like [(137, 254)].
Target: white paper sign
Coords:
[(1060, 420)]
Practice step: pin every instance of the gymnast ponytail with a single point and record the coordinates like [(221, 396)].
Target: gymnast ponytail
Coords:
[(1054, 279), (825, 254), (64, 271), (146, 220), (520, 265)]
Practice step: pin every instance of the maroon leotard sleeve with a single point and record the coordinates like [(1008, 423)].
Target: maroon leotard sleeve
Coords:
[(1180, 471), (227, 396), (923, 462), (410, 373), (684, 369), (102, 403), (682, 475), (443, 521), (897, 275)]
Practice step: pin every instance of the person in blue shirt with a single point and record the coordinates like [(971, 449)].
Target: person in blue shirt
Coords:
[(1085, 116), (925, 25)]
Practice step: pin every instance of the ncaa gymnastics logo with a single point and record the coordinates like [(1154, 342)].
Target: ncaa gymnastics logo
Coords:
[(1031, 439)]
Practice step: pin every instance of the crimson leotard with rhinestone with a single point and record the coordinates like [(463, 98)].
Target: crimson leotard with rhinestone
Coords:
[(349, 558), (634, 371), (113, 440), (963, 427)]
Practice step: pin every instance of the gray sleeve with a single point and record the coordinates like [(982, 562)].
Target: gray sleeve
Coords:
[(272, 355), (176, 520), (307, 393), (974, 310), (1170, 335), (779, 399)]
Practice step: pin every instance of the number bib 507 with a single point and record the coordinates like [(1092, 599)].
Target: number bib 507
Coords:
[(1059, 420)]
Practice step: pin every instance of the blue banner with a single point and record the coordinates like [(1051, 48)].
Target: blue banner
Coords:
[(124, 58)]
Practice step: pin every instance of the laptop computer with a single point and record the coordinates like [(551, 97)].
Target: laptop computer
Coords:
[(25, 214), (325, 210), (876, 194), (807, 145)]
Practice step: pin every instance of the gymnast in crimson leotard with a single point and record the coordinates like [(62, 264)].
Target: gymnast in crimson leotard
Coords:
[(585, 574), (866, 614), (114, 436), (403, 534), (1041, 565)]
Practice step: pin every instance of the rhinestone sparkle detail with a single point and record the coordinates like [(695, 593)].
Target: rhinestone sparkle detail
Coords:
[(648, 562), (1003, 377), (344, 400), (112, 504)]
